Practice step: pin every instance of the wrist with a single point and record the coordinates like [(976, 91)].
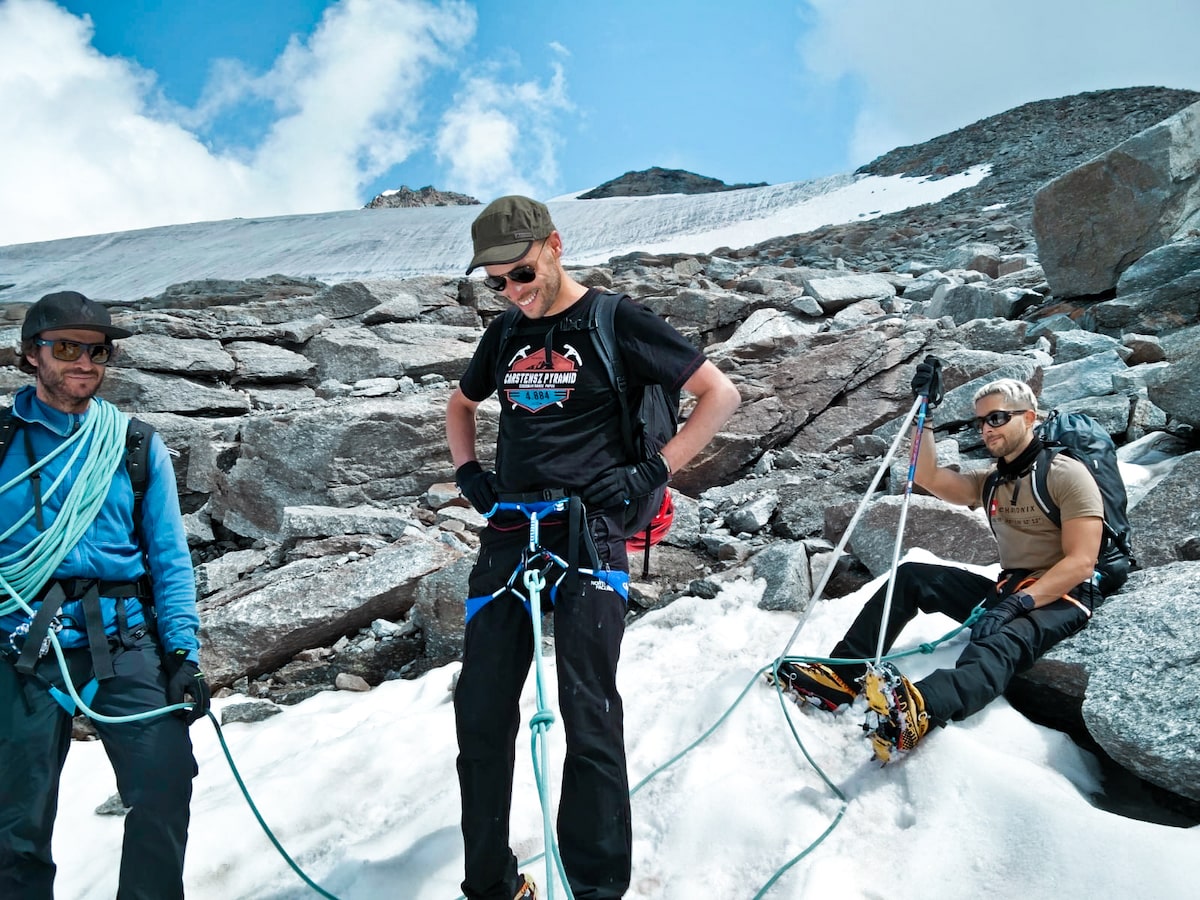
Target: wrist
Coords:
[(470, 467), (1025, 600), (666, 463)]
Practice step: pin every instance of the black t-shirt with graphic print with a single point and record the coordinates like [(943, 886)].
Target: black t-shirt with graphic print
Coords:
[(559, 416)]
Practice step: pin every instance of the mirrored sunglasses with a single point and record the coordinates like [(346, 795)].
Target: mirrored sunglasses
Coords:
[(998, 418), (521, 275), (69, 351)]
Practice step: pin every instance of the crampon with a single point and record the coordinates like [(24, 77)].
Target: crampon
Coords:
[(896, 717)]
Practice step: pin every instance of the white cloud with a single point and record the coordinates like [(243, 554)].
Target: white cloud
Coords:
[(930, 66), (94, 149), (502, 138)]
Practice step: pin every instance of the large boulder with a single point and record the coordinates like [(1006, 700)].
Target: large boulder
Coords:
[(1133, 676), (261, 622), (1095, 221), (370, 451)]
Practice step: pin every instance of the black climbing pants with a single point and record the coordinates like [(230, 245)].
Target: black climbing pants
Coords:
[(594, 831), (152, 760), (985, 667)]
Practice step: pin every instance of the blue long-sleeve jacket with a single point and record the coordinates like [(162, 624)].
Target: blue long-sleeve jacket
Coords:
[(109, 549)]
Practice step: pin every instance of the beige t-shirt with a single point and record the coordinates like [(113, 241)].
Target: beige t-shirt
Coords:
[(1026, 537)]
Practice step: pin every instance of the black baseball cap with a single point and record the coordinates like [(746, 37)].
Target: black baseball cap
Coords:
[(69, 309), (506, 229)]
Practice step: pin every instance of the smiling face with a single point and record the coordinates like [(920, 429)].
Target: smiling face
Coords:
[(67, 386), (544, 295), (1008, 440)]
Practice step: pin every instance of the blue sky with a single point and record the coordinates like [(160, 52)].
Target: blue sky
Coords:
[(134, 114)]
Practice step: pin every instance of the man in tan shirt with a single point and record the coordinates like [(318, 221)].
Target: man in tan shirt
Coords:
[(1046, 590)]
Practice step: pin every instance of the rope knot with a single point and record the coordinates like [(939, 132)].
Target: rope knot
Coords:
[(542, 720), (534, 580)]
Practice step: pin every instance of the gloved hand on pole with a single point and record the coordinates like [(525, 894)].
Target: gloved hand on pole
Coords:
[(927, 381)]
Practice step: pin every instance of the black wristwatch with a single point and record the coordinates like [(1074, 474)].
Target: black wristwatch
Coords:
[(1027, 602)]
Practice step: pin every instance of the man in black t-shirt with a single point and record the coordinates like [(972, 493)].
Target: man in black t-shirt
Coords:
[(559, 432)]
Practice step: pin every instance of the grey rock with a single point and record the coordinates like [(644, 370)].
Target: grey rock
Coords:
[(754, 515), (929, 523), (180, 356), (1091, 376), (138, 392), (1169, 514), (784, 566), (262, 363), (323, 521), (439, 608), (249, 711), (976, 257), (839, 292)]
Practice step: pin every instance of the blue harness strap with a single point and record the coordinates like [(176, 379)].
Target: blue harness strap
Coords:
[(535, 553)]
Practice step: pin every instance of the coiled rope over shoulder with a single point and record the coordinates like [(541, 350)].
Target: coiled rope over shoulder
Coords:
[(100, 441)]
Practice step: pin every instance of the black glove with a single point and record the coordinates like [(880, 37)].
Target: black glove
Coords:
[(478, 486), (927, 381), (1001, 614), (185, 681), (620, 484)]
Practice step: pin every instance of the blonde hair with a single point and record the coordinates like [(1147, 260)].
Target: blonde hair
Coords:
[(1016, 394)]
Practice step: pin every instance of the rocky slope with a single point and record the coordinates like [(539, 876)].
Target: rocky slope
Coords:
[(406, 197), (657, 180), (1026, 147)]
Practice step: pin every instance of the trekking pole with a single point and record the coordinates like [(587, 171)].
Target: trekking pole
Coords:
[(837, 551), (920, 407)]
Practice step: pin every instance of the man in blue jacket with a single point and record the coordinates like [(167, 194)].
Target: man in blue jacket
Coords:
[(116, 594)]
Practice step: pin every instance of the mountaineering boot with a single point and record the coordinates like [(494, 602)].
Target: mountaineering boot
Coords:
[(816, 684), (527, 890), (896, 717)]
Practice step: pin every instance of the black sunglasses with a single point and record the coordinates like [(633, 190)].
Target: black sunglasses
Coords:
[(69, 351), (521, 274), (999, 418)]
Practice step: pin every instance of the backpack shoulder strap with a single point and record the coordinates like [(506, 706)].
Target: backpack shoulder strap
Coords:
[(137, 461), (1041, 489), (990, 486), (604, 335), (8, 428), (509, 324)]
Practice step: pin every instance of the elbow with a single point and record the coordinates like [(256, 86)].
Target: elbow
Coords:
[(732, 400)]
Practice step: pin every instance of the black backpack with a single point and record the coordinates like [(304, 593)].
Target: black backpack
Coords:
[(1081, 437), (137, 454), (649, 415)]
